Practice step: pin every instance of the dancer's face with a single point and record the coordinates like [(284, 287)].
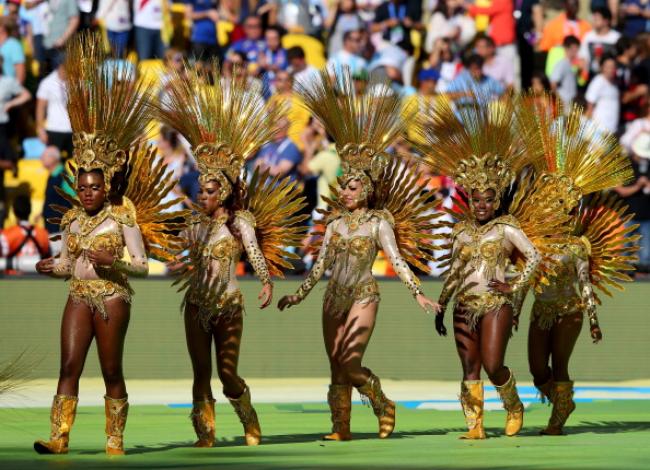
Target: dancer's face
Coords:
[(209, 197), (91, 191), (484, 204), (352, 195)]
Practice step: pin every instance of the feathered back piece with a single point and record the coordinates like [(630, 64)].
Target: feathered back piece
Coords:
[(582, 159), (108, 109), (362, 125), (224, 123), (476, 145)]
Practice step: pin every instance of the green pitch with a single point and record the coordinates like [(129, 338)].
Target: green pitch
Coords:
[(603, 435)]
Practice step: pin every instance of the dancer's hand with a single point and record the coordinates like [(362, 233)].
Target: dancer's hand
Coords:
[(596, 334), (427, 305), (499, 286), (45, 266), (440, 323), (288, 301), (266, 295), (101, 258)]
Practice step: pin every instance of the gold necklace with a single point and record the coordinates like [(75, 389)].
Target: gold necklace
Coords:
[(88, 223)]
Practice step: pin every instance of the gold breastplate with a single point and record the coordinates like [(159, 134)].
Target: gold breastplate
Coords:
[(225, 249), (111, 242), (359, 246)]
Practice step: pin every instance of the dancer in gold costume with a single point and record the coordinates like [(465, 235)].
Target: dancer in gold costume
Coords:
[(378, 206), (226, 127), (109, 112), (598, 253), (480, 149)]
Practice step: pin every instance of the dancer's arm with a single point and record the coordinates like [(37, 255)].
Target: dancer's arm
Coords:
[(138, 265), (587, 296), (520, 241), (245, 226)]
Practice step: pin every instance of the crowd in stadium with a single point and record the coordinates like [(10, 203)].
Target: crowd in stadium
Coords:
[(596, 55)]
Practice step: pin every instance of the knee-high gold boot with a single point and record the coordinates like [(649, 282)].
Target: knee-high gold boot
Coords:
[(203, 418), (62, 414), (248, 417), (383, 408), (512, 404), (116, 409), (339, 398), (471, 398), (563, 406)]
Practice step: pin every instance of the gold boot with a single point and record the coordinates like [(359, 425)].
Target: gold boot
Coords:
[(248, 417), (512, 404), (203, 422), (545, 391), (62, 414), (339, 398), (471, 398), (116, 410), (563, 406), (383, 408)]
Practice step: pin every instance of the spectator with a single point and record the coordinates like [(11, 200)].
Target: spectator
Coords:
[(563, 25), (174, 62), (253, 45), (349, 56), (390, 62), (501, 27), (636, 15), (449, 21), (637, 196), (12, 94), (51, 160), (148, 22), (11, 51), (344, 18), (634, 129), (115, 17), (563, 78), (34, 13), (495, 66), (24, 244), (598, 42), (472, 81), (296, 113), (443, 59), (603, 97), (540, 85), (302, 72), (189, 184), (236, 68), (173, 155), (626, 54), (204, 16), (529, 15), (634, 98), (52, 120), (274, 57), (62, 22), (281, 156), (424, 99)]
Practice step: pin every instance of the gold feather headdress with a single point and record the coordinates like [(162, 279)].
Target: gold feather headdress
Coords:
[(362, 125), (577, 158), (475, 145), (108, 109), (224, 123)]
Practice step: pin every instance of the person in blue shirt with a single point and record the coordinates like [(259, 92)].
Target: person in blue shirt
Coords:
[(254, 45), (281, 156), (274, 57), (11, 51), (472, 85), (204, 16), (636, 15)]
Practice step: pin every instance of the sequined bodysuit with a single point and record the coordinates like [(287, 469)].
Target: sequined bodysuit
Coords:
[(481, 253), (112, 229), (348, 250), (215, 290)]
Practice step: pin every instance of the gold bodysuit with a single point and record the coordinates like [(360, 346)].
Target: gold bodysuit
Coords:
[(112, 229), (349, 249), (561, 298), (481, 253), (215, 290)]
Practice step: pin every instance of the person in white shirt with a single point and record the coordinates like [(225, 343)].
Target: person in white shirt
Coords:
[(148, 22), (600, 41), (298, 67), (603, 97), (114, 15), (349, 56), (52, 119)]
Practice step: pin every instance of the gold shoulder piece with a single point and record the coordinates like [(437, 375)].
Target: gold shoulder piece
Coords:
[(124, 213), (587, 245), (69, 217), (247, 217), (385, 215), (508, 220)]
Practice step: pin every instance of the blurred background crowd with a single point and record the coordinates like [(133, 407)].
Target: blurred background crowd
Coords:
[(592, 53)]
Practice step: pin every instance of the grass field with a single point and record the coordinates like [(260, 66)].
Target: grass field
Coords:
[(601, 435)]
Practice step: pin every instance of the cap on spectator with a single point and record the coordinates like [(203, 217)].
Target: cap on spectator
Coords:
[(429, 74), (641, 145)]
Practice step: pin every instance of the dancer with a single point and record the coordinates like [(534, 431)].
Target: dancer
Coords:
[(599, 253), (108, 118), (379, 206), (226, 127), (480, 150)]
